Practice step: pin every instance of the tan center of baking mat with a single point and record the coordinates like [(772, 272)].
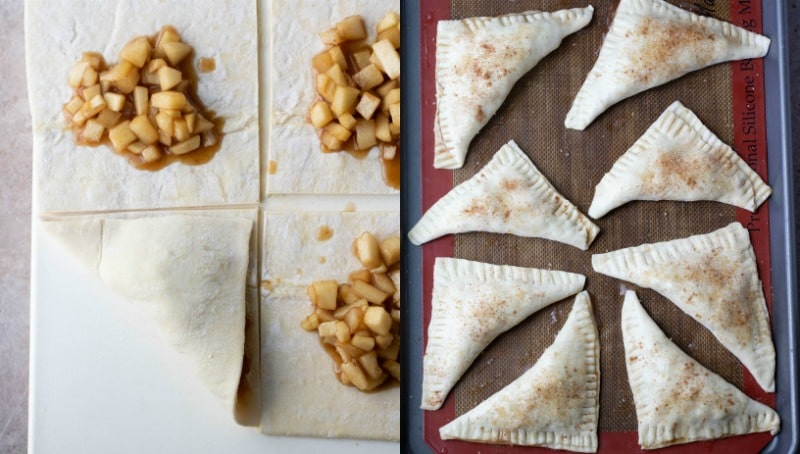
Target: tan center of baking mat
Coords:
[(574, 161)]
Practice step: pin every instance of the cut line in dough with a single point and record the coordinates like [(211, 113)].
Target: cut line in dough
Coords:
[(554, 404), (472, 304), (650, 43), (509, 195), (712, 278), (677, 399), (478, 61), (679, 158)]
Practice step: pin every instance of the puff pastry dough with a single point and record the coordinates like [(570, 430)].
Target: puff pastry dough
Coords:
[(307, 399), (189, 278), (713, 278), (554, 404), (71, 178), (289, 39), (679, 158), (478, 61), (650, 43), (472, 304), (509, 195), (677, 399)]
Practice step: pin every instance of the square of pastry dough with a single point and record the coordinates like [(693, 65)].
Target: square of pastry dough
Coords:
[(300, 392), (79, 178), (295, 160)]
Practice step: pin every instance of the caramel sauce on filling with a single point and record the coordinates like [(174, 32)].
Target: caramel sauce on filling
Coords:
[(390, 381), (391, 170), (211, 141), (324, 233), (207, 64), (368, 367)]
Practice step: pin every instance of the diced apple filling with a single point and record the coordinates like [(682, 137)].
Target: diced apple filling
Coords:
[(176, 51), (369, 77), (137, 51), (348, 121), (93, 131), (121, 135), (352, 28), (142, 105), (356, 83), (365, 134), (360, 319), (388, 57), (170, 100), (169, 77), (144, 130), (391, 20), (141, 100), (151, 154)]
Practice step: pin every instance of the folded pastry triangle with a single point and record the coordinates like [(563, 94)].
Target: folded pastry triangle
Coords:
[(187, 274), (509, 195), (650, 43), (554, 404), (472, 304), (478, 61), (713, 278), (677, 399), (679, 158)]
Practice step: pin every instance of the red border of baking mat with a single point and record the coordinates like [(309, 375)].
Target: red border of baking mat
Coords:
[(749, 141)]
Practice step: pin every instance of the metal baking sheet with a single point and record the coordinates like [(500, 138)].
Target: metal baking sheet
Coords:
[(780, 210)]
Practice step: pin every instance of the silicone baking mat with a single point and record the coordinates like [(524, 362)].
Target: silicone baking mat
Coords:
[(728, 98)]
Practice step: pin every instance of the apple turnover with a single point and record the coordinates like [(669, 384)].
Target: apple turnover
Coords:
[(554, 404), (713, 278), (650, 43), (509, 195), (478, 61), (677, 399), (472, 304), (679, 158)]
